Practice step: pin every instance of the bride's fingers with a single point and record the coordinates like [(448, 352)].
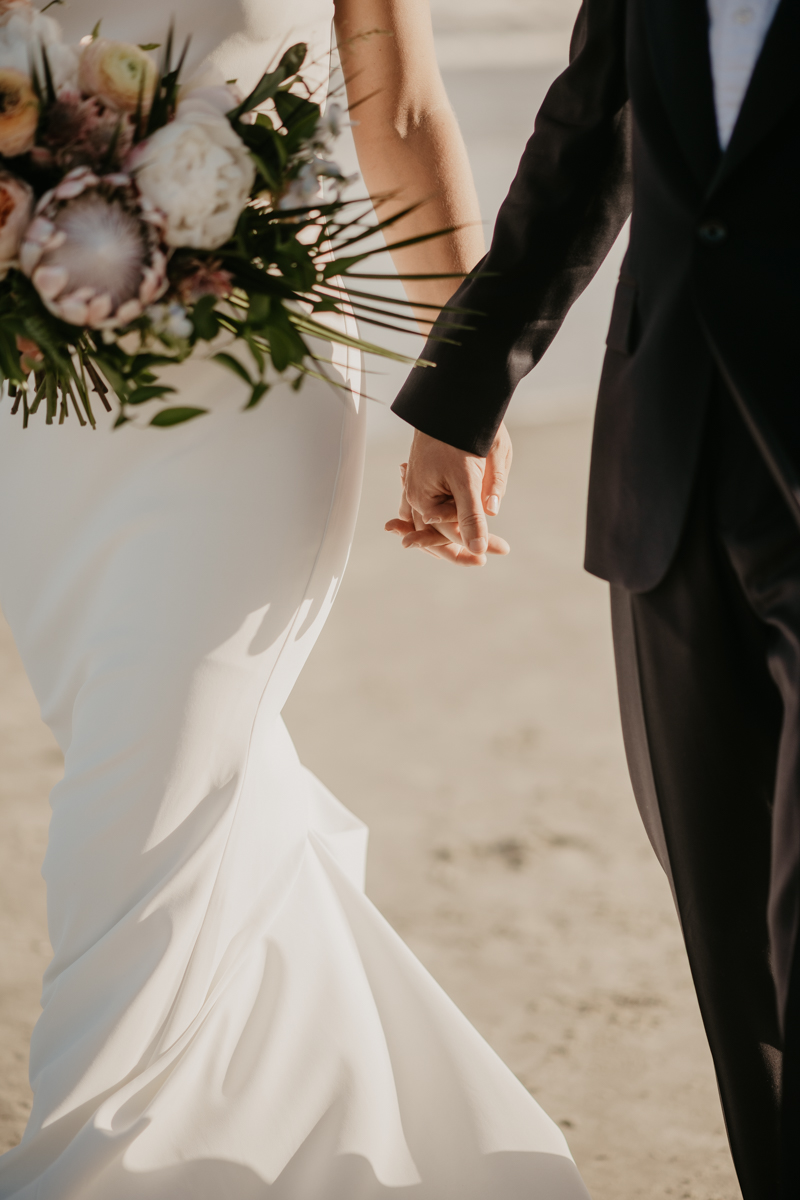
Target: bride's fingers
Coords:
[(433, 537), (425, 538), (459, 555), (443, 541), (398, 525), (496, 545), (418, 521)]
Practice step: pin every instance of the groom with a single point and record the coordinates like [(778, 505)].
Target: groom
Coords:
[(688, 112)]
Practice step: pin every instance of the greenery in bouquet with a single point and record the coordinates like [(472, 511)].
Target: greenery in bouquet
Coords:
[(143, 219)]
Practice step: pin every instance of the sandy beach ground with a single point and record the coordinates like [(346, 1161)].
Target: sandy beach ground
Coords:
[(470, 718)]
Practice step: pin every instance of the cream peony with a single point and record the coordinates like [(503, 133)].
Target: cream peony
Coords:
[(118, 73), (23, 32), (198, 172), (16, 206)]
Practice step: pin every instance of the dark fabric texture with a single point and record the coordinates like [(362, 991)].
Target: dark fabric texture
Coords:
[(709, 676), (711, 276)]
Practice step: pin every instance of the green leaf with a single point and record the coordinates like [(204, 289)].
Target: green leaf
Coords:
[(283, 349), (141, 395), (176, 416), (141, 363), (258, 393), (95, 34), (202, 316), (149, 45), (48, 75), (233, 364), (269, 83), (294, 58), (255, 350), (259, 309), (292, 109)]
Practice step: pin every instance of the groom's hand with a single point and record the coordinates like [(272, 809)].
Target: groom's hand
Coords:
[(447, 493)]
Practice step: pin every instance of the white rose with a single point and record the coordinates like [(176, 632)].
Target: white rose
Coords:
[(23, 32), (198, 172)]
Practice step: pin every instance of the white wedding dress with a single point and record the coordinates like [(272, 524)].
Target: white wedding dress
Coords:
[(226, 1016)]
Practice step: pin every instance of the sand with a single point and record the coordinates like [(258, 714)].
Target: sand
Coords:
[(470, 718)]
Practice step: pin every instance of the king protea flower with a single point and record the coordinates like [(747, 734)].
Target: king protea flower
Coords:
[(94, 250)]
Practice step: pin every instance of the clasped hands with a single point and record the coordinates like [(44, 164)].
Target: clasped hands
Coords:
[(446, 496)]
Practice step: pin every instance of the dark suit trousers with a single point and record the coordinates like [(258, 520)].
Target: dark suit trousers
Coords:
[(708, 664)]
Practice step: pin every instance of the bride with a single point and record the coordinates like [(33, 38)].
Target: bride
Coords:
[(225, 1014)]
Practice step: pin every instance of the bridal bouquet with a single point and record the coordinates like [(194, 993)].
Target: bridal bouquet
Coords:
[(143, 219)]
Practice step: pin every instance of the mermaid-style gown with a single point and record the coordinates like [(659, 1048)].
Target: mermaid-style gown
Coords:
[(226, 1016)]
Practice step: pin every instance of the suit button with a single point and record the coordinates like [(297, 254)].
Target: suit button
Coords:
[(712, 232)]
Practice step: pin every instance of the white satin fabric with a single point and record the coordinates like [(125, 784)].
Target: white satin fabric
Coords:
[(226, 1016)]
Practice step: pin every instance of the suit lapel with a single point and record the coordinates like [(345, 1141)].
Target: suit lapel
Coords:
[(677, 31), (774, 84)]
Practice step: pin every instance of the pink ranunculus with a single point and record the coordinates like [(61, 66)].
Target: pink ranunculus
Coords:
[(16, 205), (82, 131), (192, 278)]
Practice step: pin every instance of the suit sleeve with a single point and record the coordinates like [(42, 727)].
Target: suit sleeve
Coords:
[(569, 200)]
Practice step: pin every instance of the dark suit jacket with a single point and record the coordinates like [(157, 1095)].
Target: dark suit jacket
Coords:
[(712, 272)]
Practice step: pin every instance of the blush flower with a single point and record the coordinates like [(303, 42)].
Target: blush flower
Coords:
[(30, 356), (19, 113), (93, 251), (78, 131), (118, 73), (198, 172), (8, 6), (16, 204), (192, 278)]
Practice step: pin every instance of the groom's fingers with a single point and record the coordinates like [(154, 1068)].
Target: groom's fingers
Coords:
[(495, 479), (436, 474), (466, 488)]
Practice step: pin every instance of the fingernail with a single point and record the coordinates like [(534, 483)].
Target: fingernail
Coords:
[(478, 546), (493, 505), (433, 520)]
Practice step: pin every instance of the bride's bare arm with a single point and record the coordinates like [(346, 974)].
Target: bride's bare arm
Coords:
[(408, 141)]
